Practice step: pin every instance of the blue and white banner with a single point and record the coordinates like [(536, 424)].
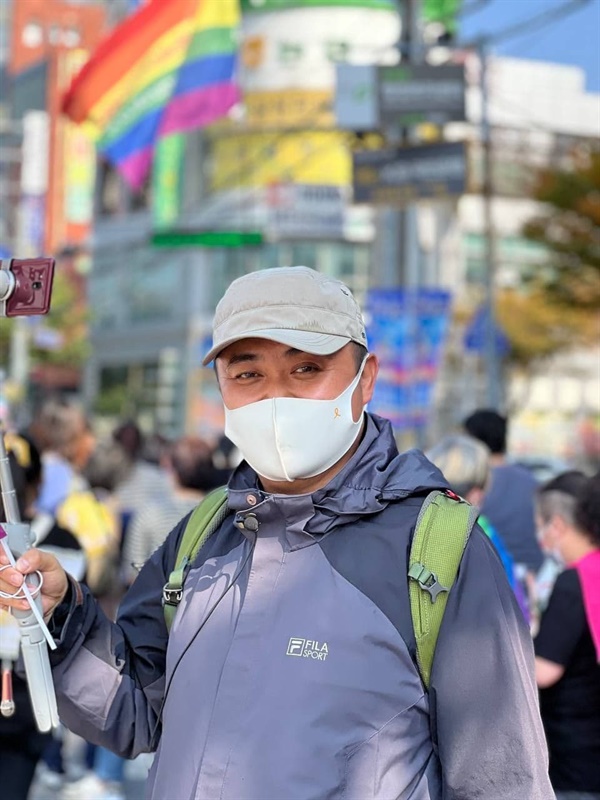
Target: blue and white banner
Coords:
[(407, 329)]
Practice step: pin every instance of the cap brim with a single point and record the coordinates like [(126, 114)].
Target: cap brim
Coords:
[(321, 344)]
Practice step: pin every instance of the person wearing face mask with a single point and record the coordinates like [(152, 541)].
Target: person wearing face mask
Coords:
[(290, 670), (567, 645), (554, 511)]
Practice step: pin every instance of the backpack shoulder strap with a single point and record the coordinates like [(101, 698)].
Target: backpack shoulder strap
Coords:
[(441, 534), (203, 522)]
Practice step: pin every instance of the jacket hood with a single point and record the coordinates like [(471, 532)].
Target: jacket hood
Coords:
[(376, 475)]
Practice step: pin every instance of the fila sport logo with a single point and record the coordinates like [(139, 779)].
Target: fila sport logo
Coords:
[(307, 648)]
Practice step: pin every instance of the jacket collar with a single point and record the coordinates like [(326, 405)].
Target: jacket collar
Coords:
[(376, 475)]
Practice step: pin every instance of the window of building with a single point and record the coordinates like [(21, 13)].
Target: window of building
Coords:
[(108, 190), (54, 34), (114, 196), (71, 37), (32, 34)]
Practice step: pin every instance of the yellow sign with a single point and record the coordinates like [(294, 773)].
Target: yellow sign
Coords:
[(261, 159), (292, 108)]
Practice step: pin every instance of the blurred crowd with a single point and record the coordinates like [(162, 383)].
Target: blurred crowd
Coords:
[(104, 504)]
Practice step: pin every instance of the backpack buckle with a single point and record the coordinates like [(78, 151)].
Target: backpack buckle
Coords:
[(171, 595), (427, 580)]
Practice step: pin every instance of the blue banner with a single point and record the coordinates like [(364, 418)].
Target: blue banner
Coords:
[(407, 330)]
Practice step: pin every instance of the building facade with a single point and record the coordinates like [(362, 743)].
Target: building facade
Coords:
[(272, 183)]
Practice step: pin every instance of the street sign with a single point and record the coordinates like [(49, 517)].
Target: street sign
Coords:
[(477, 331), (399, 175), (410, 94), (356, 100), (308, 211), (372, 98)]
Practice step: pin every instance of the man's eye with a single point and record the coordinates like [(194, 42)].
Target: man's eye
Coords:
[(306, 368), (245, 375)]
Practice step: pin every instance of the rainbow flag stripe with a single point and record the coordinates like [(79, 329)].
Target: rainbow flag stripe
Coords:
[(168, 68)]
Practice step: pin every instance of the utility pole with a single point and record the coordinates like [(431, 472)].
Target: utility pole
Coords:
[(411, 49), (490, 349), (408, 227), (396, 245), (11, 155)]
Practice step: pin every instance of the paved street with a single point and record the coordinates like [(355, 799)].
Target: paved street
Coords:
[(134, 790), (135, 773)]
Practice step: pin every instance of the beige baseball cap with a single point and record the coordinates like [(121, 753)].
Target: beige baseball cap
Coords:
[(296, 306)]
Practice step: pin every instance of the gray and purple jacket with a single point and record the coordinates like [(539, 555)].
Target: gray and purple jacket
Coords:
[(289, 672)]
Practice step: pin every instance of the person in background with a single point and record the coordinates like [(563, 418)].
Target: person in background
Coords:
[(146, 481), (107, 468), (226, 456), (66, 439), (191, 474), (567, 649), (64, 434), (45, 530), (465, 463), (21, 744), (509, 499), (554, 509)]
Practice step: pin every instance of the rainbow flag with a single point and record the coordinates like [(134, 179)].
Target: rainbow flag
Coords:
[(169, 67)]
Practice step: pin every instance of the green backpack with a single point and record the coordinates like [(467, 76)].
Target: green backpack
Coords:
[(441, 534)]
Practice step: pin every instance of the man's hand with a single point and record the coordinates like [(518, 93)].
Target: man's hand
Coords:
[(54, 587)]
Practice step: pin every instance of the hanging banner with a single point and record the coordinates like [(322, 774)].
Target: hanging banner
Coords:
[(407, 330), (166, 179), (79, 158)]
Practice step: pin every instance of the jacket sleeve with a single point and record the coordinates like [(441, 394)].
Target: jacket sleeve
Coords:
[(483, 696), (109, 677)]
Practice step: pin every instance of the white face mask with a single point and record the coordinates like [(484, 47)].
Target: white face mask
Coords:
[(285, 438)]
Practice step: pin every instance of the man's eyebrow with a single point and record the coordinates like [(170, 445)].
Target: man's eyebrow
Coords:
[(293, 351), (250, 356), (242, 357)]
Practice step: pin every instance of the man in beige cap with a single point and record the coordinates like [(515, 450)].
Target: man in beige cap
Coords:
[(290, 670)]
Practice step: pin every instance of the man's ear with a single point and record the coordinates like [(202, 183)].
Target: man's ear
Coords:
[(368, 377)]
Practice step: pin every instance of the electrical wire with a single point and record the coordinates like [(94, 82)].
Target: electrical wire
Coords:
[(532, 24), (472, 8), (503, 102)]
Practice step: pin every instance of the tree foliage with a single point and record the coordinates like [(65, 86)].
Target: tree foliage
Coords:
[(68, 317), (538, 326), (568, 227)]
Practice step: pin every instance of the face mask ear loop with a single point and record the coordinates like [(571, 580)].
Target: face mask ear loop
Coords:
[(362, 367), (354, 384), (281, 461)]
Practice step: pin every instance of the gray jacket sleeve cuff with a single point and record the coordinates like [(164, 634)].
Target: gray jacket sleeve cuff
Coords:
[(65, 623)]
